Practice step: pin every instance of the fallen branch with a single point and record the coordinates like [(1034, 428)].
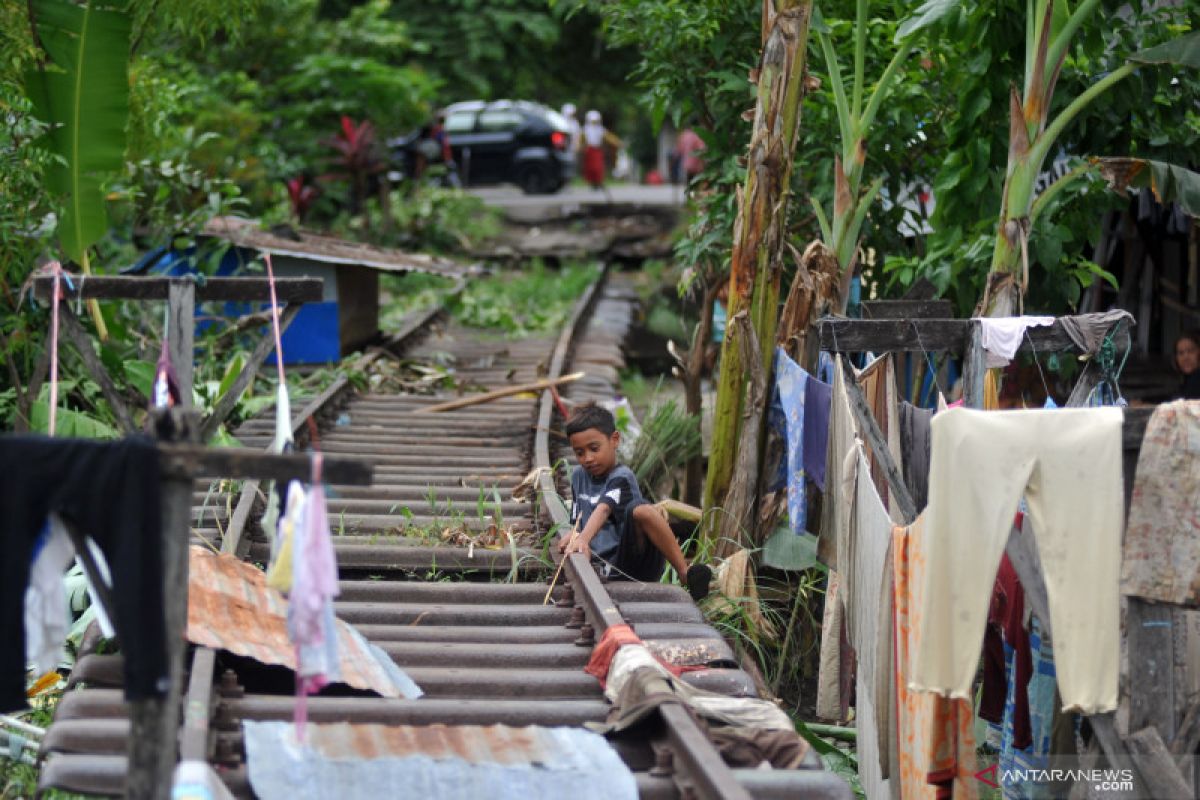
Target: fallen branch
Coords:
[(508, 391)]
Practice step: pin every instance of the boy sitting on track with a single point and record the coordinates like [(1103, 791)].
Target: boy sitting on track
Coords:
[(611, 519)]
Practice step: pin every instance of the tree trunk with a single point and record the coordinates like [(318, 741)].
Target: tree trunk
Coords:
[(759, 232), (693, 379), (739, 522)]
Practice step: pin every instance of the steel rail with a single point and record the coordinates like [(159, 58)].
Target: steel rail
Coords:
[(699, 769)]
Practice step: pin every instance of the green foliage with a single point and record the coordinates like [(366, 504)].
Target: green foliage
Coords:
[(669, 437), (533, 300), (83, 96), (963, 148)]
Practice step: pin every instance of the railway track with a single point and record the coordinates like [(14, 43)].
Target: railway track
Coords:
[(463, 618)]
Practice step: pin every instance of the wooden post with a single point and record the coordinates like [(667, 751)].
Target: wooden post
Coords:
[(181, 331), (869, 429), (974, 369), (225, 405), (154, 722), (83, 344)]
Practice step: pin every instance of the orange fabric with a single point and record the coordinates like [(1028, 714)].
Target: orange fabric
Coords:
[(606, 650), (937, 738)]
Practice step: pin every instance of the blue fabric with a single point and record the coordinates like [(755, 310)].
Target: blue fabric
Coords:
[(719, 321), (825, 368), (786, 417), (1041, 715), (818, 397)]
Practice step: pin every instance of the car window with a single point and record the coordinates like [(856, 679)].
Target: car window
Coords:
[(499, 120), (460, 121)]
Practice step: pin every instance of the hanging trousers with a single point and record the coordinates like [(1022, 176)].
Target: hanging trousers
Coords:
[(1067, 464)]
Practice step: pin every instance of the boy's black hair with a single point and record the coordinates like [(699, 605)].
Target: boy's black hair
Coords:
[(588, 416)]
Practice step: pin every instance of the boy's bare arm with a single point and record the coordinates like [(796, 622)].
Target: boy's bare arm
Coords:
[(594, 524)]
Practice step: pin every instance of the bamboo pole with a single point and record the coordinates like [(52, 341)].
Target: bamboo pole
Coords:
[(487, 397)]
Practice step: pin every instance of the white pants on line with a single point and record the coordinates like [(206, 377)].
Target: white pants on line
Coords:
[(1067, 464)]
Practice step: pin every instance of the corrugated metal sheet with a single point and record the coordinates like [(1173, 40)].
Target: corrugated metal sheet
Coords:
[(246, 233), (230, 607), (469, 762), (490, 744)]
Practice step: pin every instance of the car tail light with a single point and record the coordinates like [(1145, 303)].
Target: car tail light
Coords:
[(559, 140)]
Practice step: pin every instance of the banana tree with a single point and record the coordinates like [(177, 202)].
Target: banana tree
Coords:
[(856, 114), (1050, 26), (756, 261), (82, 92)]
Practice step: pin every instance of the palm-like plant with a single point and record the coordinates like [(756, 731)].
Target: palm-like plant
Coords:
[(1050, 26)]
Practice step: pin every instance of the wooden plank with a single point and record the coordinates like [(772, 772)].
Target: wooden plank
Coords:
[(1157, 767), (154, 721), (974, 369), (869, 429), (228, 401), (181, 332), (908, 309), (191, 461), (891, 335), (83, 344), (928, 335), (1187, 738), (133, 287), (194, 739), (232, 541), (1149, 631)]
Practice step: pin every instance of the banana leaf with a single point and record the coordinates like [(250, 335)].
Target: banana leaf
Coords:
[(83, 94), (1170, 183)]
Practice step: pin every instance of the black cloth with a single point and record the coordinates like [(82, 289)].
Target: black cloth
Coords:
[(110, 492), (915, 437), (1189, 389)]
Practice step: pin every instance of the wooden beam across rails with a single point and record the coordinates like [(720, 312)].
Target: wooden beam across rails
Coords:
[(925, 335), (138, 287)]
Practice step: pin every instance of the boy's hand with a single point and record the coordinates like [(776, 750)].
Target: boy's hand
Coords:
[(579, 545)]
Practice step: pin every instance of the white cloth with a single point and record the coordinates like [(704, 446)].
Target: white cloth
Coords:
[(46, 599), (741, 712), (1002, 336), (593, 134), (1067, 464), (864, 564)]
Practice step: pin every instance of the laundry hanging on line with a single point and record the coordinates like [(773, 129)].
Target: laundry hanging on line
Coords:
[(46, 610), (110, 492), (1162, 540), (1001, 336), (1067, 462)]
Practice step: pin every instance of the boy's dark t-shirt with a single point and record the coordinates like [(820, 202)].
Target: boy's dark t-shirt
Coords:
[(618, 489)]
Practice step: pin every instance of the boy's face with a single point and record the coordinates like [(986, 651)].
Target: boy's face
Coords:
[(596, 452)]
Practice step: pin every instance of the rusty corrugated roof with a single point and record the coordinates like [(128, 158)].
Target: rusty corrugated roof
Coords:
[(230, 607), (477, 744)]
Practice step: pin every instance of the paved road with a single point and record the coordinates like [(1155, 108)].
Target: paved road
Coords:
[(524, 206)]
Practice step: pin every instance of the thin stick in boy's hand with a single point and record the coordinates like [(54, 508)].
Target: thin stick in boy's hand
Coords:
[(570, 540)]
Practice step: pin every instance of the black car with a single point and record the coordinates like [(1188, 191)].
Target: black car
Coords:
[(505, 141)]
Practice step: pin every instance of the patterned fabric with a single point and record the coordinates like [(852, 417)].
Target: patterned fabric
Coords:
[(1041, 716), (937, 740), (1162, 540)]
